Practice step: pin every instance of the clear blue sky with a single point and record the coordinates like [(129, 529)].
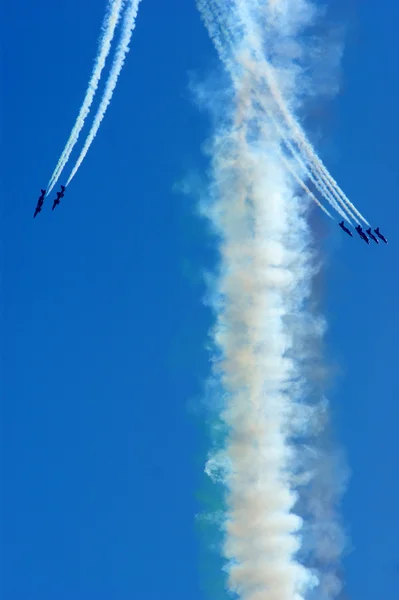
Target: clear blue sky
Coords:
[(102, 324)]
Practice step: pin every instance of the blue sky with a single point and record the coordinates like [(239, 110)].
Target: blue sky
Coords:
[(102, 322)]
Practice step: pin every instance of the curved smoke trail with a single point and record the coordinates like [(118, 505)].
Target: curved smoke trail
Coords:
[(249, 11), (220, 24), (110, 23), (129, 24), (266, 341), (224, 44)]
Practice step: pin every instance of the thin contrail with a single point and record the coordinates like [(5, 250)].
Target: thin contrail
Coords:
[(129, 23), (266, 338), (110, 23)]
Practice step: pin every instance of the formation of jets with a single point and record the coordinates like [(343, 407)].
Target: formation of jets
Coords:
[(40, 202), (364, 234)]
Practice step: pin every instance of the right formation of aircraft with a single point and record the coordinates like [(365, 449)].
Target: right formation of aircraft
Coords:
[(56, 201), (364, 234)]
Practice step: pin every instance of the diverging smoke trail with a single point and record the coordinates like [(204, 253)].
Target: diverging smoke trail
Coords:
[(280, 541), (109, 25), (129, 23)]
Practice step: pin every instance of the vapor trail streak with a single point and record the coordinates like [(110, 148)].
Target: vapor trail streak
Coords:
[(109, 25), (129, 24)]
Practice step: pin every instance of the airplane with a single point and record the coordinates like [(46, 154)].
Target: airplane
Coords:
[(362, 234), (59, 196), (61, 193), (371, 235), (345, 229), (40, 203), (382, 237)]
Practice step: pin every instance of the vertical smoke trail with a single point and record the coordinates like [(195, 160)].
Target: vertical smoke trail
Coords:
[(109, 25), (263, 338), (264, 266), (129, 24)]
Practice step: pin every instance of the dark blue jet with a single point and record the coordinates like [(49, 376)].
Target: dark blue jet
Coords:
[(59, 196), (371, 235), (362, 234), (345, 229), (40, 203), (383, 238)]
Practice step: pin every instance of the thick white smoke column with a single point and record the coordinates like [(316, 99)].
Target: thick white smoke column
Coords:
[(264, 335), (110, 22), (129, 23)]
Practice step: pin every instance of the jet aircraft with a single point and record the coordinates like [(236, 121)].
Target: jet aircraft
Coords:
[(382, 237), (40, 203), (345, 229), (59, 196), (362, 234), (371, 235)]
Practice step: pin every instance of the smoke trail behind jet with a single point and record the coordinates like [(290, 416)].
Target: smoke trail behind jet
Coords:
[(264, 335), (109, 25), (128, 26), (227, 32)]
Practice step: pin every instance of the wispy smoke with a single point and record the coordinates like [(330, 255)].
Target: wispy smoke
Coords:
[(281, 526)]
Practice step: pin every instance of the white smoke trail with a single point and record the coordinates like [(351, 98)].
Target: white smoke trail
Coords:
[(129, 24), (248, 12), (109, 25), (313, 159), (263, 337), (216, 18), (303, 185), (315, 179)]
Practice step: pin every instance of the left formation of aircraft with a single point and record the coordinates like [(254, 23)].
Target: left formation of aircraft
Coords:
[(365, 235), (56, 201)]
